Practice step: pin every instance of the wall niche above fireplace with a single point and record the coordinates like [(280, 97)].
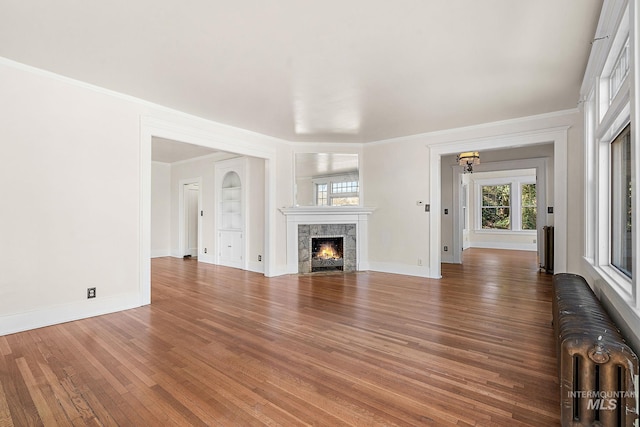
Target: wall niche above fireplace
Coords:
[(339, 239)]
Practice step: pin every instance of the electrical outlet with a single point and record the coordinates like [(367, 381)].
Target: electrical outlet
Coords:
[(259, 258), (205, 250), (446, 248), (91, 292), (419, 261)]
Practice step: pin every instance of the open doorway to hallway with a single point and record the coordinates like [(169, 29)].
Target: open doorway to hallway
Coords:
[(501, 205), (190, 219)]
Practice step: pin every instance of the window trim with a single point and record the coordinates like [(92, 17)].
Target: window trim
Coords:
[(482, 206), (516, 223), (606, 117), (624, 133)]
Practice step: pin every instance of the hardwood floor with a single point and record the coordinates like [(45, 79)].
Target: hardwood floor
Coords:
[(220, 346)]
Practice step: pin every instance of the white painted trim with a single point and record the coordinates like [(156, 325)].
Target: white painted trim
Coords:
[(182, 250), (160, 254), (397, 268), (328, 215), (255, 266), (62, 313), (506, 246), (610, 17), (540, 165), (556, 135), (454, 132), (208, 134)]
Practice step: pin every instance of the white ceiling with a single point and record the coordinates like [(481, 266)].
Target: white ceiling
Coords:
[(317, 70), (169, 151)]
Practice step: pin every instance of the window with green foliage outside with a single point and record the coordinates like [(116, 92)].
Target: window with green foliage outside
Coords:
[(528, 206), (496, 207)]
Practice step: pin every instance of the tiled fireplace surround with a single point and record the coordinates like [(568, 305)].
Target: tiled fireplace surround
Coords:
[(308, 231), (350, 222)]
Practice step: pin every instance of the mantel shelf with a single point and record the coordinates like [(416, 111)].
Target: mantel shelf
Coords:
[(327, 210), (328, 215)]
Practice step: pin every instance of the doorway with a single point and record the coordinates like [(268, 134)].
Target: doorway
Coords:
[(520, 233), (189, 218)]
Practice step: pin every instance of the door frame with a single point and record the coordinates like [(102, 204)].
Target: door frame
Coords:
[(182, 244), (207, 134), (538, 163), (557, 135)]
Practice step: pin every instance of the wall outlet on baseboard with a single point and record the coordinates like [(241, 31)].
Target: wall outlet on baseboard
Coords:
[(419, 261), (259, 258), (205, 250), (91, 292), (446, 248)]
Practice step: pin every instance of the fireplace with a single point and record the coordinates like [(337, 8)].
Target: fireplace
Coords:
[(326, 247), (327, 253)]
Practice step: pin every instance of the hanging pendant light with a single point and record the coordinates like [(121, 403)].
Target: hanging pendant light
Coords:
[(468, 159)]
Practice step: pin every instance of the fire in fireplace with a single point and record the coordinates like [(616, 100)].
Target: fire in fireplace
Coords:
[(327, 253)]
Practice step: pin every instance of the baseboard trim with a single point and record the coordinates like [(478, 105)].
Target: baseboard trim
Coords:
[(255, 267), (404, 269), (63, 313), (533, 247), (160, 253)]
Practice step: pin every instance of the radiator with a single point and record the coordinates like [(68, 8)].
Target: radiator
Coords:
[(598, 372), (546, 258)]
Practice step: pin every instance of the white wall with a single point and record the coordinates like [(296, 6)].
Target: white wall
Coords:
[(80, 155), (69, 185), (255, 221), (160, 209), (397, 175)]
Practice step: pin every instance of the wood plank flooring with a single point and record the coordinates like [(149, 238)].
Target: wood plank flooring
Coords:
[(224, 347)]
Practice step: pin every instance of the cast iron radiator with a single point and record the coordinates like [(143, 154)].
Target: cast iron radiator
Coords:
[(546, 260), (598, 372)]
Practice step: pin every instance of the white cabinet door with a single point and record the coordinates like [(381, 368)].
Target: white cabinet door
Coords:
[(231, 247)]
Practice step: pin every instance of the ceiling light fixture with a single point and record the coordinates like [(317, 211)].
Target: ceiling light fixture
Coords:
[(468, 159)]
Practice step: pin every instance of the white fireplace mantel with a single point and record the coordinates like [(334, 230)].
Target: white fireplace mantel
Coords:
[(299, 215)]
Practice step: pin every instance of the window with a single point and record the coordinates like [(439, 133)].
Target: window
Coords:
[(332, 191), (619, 72), (609, 93), (344, 187), (496, 206), (505, 201), (321, 194), (528, 206), (621, 225)]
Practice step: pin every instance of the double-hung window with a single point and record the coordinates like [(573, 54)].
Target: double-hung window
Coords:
[(337, 191), (621, 190), (528, 206), (496, 207), (507, 203)]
